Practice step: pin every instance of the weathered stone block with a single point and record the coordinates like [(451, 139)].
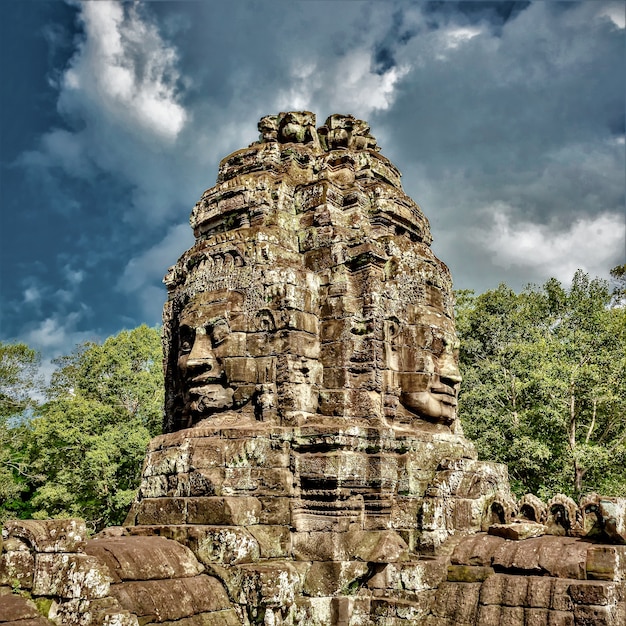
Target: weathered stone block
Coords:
[(144, 558), (270, 584), (163, 600), (16, 569), (57, 535), (91, 612), (162, 511), (606, 562), (594, 592), (536, 617), (14, 608), (539, 592), (608, 615), (228, 511), (275, 510), (563, 557), (476, 550), (457, 601), (223, 544), (333, 577), (560, 618), (274, 541), (517, 530), (70, 576), (468, 573), (561, 600), (385, 546), (227, 617)]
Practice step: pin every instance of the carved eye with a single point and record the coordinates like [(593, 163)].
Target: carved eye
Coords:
[(219, 331), (437, 345), (265, 321), (186, 339)]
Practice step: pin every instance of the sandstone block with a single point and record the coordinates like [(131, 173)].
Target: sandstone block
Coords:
[(384, 546), (594, 592), (16, 569), (606, 562), (14, 608), (468, 574), (275, 510), (560, 618), (539, 592), (163, 600), (91, 612), (457, 601), (562, 557), (320, 546), (608, 615), (144, 558), (333, 577), (162, 511), (228, 511), (227, 617), (274, 541), (228, 545), (270, 584), (70, 576), (517, 530), (476, 550), (58, 535)]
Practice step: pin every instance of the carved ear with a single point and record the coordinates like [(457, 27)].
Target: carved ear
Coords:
[(264, 321), (392, 328)]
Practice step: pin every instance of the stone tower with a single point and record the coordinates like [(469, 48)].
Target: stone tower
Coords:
[(313, 470), (311, 380)]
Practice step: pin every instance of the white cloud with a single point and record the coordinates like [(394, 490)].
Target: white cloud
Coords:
[(54, 334), (589, 243), (347, 83), (126, 68), (455, 36), (32, 295), (616, 12), (119, 99)]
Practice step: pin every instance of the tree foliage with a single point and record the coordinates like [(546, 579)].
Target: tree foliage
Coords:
[(544, 384), (19, 384), (85, 444)]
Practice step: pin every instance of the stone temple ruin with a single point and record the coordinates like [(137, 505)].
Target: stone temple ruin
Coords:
[(313, 470)]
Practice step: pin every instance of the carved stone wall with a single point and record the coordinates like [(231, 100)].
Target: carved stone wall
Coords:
[(313, 470)]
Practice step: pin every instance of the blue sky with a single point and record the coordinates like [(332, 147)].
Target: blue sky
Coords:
[(506, 119)]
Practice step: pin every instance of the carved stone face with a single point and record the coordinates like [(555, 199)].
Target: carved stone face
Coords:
[(348, 313), (206, 342), (431, 391)]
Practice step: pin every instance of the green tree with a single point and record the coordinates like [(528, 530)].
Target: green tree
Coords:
[(543, 386), (88, 440), (19, 385)]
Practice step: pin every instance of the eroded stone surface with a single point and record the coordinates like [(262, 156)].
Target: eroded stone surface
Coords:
[(313, 470)]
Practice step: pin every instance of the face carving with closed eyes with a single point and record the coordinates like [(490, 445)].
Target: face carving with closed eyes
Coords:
[(205, 340)]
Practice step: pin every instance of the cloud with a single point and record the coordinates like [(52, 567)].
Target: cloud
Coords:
[(593, 244), (124, 64), (143, 274), (120, 102), (348, 83)]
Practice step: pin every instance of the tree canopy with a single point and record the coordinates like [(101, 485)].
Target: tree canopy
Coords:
[(544, 385), (84, 445)]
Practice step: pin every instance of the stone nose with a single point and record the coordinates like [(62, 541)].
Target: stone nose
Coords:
[(202, 358)]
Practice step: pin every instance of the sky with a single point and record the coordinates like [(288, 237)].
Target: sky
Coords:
[(505, 118)]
